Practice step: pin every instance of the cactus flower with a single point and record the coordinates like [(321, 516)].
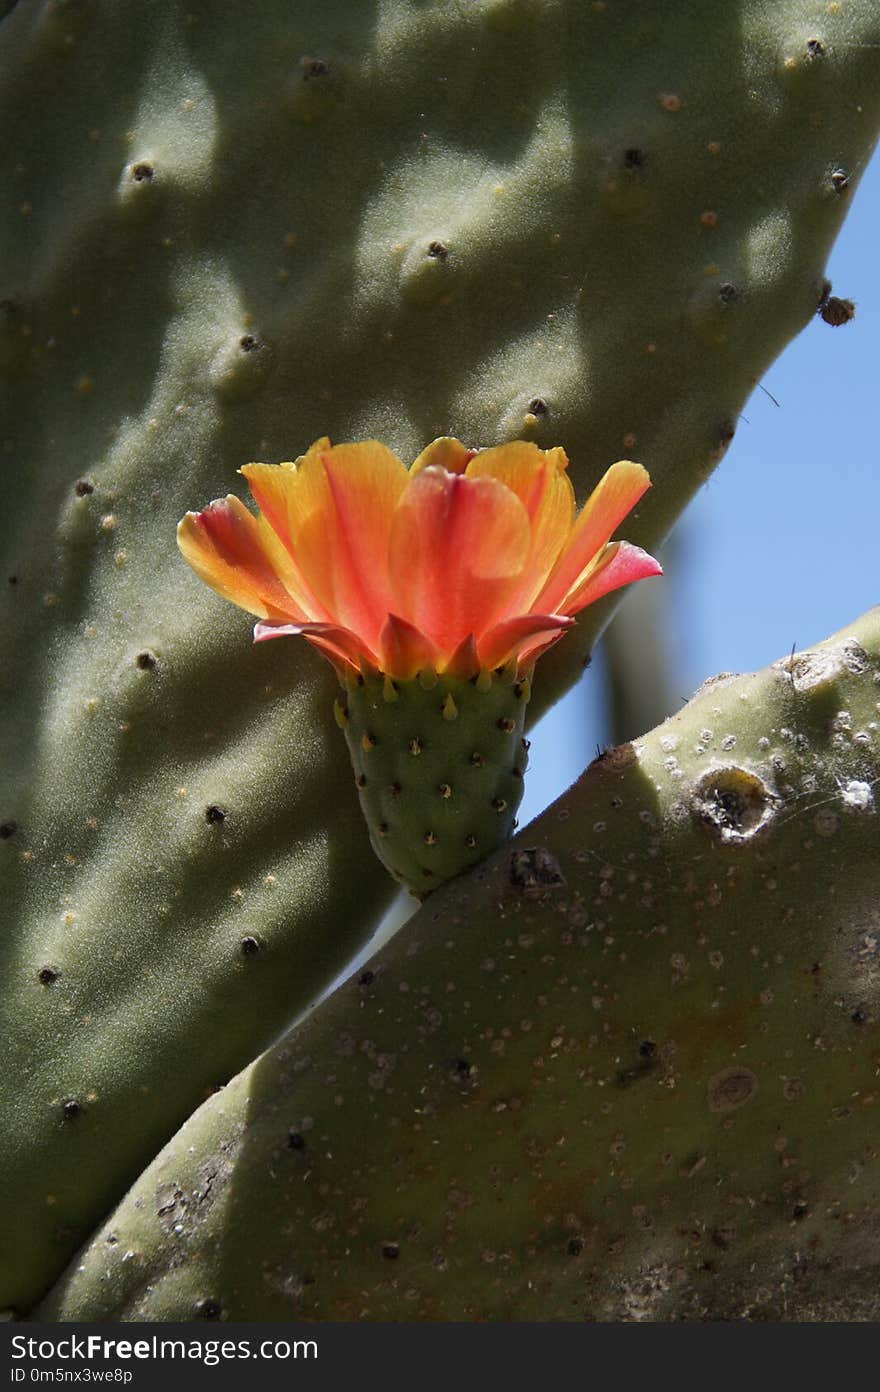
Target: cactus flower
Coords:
[(463, 562), (432, 591)]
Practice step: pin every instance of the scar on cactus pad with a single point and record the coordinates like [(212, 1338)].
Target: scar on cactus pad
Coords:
[(433, 591)]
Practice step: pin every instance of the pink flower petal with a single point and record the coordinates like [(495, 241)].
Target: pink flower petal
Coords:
[(340, 644), (458, 546), (620, 564), (509, 638), (612, 499), (529, 655)]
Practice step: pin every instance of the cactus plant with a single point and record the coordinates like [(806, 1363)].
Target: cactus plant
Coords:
[(224, 238)]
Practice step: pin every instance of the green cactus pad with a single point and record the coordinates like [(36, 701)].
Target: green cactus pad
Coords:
[(439, 764)]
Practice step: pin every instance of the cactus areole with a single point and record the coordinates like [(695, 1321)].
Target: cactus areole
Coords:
[(432, 591)]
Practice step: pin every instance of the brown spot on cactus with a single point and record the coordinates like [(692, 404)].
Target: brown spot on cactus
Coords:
[(535, 868), (731, 1088), (215, 815), (648, 1062)]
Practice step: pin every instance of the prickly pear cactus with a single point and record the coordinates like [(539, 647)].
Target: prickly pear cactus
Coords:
[(397, 220), (624, 1070)]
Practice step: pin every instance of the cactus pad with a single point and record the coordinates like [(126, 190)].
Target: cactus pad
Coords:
[(439, 765)]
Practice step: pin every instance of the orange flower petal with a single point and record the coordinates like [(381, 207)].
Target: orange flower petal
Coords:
[(240, 557), (272, 486), (403, 649), (458, 546), (619, 564), (339, 505), (539, 480), (510, 638), (612, 499), (447, 453)]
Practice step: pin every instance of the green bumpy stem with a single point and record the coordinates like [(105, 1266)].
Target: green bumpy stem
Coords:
[(439, 764), (225, 236), (626, 1069)]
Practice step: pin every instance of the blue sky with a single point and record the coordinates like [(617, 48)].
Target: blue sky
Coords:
[(782, 546)]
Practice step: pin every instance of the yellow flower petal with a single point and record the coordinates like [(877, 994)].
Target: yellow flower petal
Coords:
[(334, 513), (447, 453), (539, 480)]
